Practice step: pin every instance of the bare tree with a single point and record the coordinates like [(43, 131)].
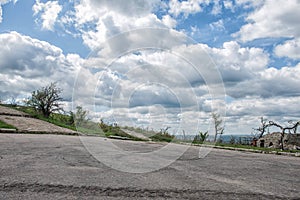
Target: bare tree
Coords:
[(46, 100), (262, 128), (218, 125), (293, 124), (183, 132), (165, 130), (13, 101), (283, 129)]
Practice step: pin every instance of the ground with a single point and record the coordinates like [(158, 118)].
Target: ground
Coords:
[(60, 167), (25, 123)]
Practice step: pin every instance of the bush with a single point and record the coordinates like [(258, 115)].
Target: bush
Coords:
[(163, 136), (200, 138), (115, 130)]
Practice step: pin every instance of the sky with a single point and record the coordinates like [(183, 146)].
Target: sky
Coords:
[(157, 64)]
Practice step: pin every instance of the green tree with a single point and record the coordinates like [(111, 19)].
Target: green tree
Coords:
[(80, 117), (203, 136), (46, 100)]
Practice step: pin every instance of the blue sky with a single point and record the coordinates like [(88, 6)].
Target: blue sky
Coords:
[(157, 63), (19, 17)]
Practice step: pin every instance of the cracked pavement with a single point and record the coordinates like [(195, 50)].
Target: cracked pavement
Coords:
[(60, 167)]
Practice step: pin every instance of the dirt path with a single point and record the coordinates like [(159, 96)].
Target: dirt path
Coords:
[(8, 111), (26, 124)]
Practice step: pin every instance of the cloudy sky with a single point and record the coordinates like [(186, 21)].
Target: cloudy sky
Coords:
[(157, 63)]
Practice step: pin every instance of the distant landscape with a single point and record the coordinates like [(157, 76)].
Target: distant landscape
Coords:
[(44, 104), (150, 99)]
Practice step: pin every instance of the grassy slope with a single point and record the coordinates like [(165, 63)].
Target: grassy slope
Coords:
[(5, 125), (154, 136), (114, 130), (89, 127), (64, 120), (57, 119)]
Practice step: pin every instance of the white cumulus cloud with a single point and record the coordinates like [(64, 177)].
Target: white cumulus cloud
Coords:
[(48, 13), (27, 64), (280, 19), (290, 48), (185, 7), (98, 21)]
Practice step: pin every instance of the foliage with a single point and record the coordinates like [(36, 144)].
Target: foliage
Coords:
[(201, 137), (62, 120), (115, 130), (46, 100), (79, 118), (145, 132), (58, 119), (163, 136)]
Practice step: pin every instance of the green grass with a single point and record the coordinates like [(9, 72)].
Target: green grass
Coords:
[(56, 122), (62, 120), (162, 137), (154, 136), (5, 125), (242, 146), (65, 121), (114, 130), (105, 130), (90, 131), (145, 132)]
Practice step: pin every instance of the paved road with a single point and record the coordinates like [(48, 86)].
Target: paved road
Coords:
[(60, 167)]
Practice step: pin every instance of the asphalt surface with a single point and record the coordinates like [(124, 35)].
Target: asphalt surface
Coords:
[(61, 167)]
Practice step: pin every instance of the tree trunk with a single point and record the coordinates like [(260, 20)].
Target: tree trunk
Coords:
[(281, 140), (216, 134)]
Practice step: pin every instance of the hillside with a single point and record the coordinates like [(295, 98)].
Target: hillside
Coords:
[(21, 122), (24, 123)]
